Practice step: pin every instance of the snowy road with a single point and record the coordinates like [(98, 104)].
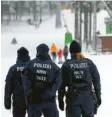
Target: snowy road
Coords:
[(30, 38)]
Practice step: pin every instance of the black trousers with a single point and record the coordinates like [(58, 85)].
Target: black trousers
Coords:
[(83, 104), (47, 109), (19, 111)]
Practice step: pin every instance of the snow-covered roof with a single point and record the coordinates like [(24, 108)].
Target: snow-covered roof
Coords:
[(105, 35)]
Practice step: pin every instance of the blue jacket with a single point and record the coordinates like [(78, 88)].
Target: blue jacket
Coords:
[(14, 86), (83, 73), (41, 79)]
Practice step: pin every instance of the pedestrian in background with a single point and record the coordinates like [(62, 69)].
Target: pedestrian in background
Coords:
[(65, 52), (60, 56), (53, 51)]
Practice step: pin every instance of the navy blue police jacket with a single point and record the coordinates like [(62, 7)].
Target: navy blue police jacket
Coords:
[(44, 71), (14, 87), (84, 74)]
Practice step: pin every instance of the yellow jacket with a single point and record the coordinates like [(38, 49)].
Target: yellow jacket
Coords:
[(53, 48)]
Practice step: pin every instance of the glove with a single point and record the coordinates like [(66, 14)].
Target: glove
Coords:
[(29, 95), (70, 94), (8, 104), (61, 105), (99, 102), (95, 107), (98, 97)]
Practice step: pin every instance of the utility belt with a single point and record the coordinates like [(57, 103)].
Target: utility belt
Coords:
[(72, 93), (39, 99), (79, 89), (82, 89)]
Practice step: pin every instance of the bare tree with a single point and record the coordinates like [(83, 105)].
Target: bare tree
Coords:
[(80, 22), (2, 11), (58, 15), (86, 23), (76, 17), (34, 5), (94, 25), (90, 22), (5, 11)]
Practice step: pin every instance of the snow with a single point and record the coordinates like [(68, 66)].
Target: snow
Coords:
[(31, 37), (106, 35)]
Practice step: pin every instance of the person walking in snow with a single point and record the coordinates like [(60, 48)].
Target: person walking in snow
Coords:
[(41, 80), (53, 51), (60, 56), (14, 91), (65, 52), (79, 77)]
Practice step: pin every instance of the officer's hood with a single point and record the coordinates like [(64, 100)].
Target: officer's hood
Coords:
[(42, 52), (22, 55)]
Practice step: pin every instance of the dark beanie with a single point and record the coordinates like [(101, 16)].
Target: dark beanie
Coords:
[(75, 47), (22, 52), (42, 48)]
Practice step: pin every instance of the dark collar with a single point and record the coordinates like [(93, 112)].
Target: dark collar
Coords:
[(23, 59), (43, 57), (73, 56)]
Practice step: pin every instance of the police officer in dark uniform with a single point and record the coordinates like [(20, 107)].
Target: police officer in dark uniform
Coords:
[(41, 81), (14, 86), (79, 77)]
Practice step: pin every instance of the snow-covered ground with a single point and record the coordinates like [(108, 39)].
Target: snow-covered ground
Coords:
[(30, 37)]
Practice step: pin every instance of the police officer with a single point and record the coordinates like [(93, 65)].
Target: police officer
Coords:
[(14, 86), (41, 81), (79, 75)]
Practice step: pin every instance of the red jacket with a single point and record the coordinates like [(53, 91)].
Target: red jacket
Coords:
[(60, 53)]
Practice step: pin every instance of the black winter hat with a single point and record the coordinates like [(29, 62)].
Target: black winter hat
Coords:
[(22, 52), (42, 48), (75, 47)]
